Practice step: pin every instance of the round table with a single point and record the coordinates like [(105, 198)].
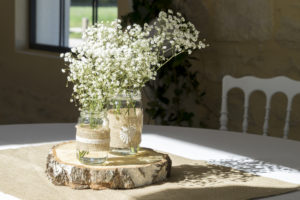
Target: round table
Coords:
[(262, 155)]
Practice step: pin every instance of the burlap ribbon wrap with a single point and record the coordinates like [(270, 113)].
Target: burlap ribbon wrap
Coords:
[(90, 139), (125, 127)]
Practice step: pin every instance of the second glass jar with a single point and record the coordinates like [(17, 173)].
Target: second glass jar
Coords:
[(126, 123)]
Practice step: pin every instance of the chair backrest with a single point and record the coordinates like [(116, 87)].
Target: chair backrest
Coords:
[(269, 86)]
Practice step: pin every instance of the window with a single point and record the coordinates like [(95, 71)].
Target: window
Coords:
[(57, 25)]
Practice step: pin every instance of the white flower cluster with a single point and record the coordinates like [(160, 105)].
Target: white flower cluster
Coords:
[(112, 60)]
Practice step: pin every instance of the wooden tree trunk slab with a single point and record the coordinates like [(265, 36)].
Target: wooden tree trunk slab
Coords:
[(119, 172)]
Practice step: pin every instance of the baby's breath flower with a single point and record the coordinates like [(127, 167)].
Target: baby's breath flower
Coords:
[(113, 61)]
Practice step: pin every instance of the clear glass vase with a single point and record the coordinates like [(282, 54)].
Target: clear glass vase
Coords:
[(92, 138), (125, 123)]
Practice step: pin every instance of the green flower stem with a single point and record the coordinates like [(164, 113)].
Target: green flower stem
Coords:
[(82, 154), (170, 59)]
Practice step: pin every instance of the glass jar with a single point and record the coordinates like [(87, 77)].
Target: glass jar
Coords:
[(125, 123), (92, 138)]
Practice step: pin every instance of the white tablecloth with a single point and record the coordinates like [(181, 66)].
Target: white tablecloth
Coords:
[(266, 156)]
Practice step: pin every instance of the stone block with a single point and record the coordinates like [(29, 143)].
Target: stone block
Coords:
[(237, 20), (287, 20)]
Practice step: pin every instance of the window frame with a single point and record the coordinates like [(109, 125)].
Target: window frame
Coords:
[(32, 27)]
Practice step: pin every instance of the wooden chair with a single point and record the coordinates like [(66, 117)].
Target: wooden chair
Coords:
[(270, 86)]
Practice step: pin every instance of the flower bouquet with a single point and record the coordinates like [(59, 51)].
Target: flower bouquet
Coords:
[(112, 65)]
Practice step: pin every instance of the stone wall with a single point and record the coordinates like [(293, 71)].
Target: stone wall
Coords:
[(247, 37)]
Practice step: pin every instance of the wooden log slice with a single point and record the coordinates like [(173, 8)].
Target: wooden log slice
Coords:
[(118, 172)]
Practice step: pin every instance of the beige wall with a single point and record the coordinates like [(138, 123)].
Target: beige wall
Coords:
[(32, 88), (247, 37)]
